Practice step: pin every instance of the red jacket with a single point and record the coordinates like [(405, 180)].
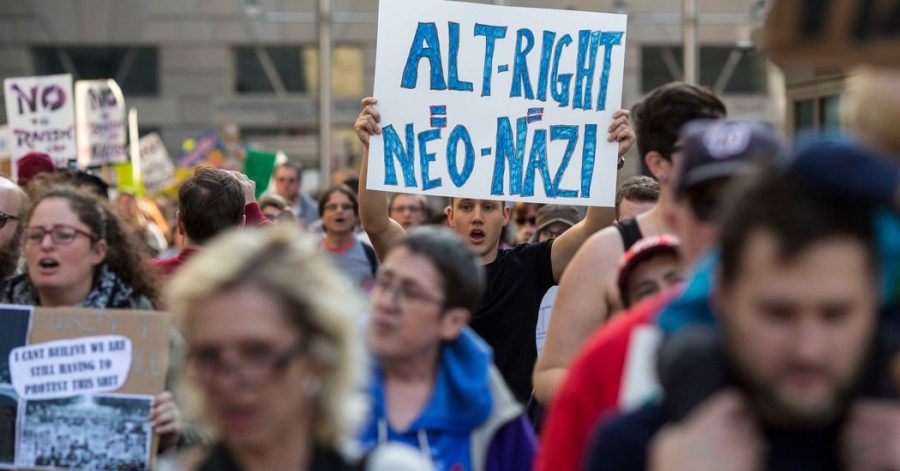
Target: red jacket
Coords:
[(592, 387)]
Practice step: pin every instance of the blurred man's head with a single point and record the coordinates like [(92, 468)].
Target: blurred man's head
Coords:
[(12, 208), (478, 222), (553, 220), (660, 116), (712, 155), (425, 292), (650, 266), (525, 217), (637, 195), (287, 180), (797, 299), (210, 202), (410, 211)]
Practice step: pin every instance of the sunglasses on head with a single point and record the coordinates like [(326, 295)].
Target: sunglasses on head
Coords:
[(6, 217)]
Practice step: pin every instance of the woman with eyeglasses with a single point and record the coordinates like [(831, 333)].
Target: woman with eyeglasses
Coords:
[(281, 386), (339, 212), (78, 254)]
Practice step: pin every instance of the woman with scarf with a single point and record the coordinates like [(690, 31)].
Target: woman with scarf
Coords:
[(78, 254)]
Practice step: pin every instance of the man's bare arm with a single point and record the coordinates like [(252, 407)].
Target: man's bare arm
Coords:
[(585, 299), (383, 231)]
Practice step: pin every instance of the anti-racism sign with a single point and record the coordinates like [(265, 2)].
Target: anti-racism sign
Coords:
[(157, 169), (100, 117), (41, 117), (834, 32), (492, 102)]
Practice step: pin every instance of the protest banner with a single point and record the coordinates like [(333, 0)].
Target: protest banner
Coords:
[(41, 117), (5, 162), (834, 32), (206, 148), (493, 102), (258, 167), (100, 122), (157, 169), (81, 374)]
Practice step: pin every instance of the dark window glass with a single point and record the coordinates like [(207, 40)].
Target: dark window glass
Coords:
[(831, 112), (734, 70), (286, 63), (804, 115), (135, 69)]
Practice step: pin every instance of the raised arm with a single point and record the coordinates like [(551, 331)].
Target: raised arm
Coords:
[(383, 231), (585, 299), (565, 247)]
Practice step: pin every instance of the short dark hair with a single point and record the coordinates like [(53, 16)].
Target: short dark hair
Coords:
[(211, 201), (639, 188), (323, 199), (295, 166), (798, 213), (659, 117), (462, 277)]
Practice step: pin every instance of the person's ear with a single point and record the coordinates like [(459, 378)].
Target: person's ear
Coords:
[(452, 323), (243, 221), (449, 212), (179, 222), (507, 213), (98, 252), (659, 166)]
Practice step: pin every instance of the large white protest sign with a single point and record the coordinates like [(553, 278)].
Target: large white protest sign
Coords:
[(497, 102), (100, 122), (41, 117), (157, 169), (64, 368)]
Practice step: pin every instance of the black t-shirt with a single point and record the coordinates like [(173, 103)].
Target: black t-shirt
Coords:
[(516, 282)]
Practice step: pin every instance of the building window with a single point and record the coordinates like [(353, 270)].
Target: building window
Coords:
[(831, 113), (727, 69), (135, 69), (294, 69), (804, 115), (270, 69)]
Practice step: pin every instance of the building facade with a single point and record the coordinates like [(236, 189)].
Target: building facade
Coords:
[(189, 66)]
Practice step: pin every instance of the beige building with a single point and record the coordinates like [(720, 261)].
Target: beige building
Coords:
[(191, 65)]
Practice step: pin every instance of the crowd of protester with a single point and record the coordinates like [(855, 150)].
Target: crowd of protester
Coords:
[(737, 309)]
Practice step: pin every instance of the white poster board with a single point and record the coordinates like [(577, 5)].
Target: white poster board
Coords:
[(493, 102), (41, 117), (157, 169), (4, 146), (100, 122)]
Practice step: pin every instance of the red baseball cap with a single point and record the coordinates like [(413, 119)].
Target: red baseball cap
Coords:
[(32, 164), (642, 250)]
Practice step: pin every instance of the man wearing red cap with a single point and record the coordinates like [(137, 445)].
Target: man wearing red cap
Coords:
[(32, 164)]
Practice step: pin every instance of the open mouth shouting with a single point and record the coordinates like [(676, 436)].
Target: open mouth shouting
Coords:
[(48, 265), (476, 236)]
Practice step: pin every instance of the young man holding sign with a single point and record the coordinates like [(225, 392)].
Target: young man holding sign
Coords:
[(517, 278)]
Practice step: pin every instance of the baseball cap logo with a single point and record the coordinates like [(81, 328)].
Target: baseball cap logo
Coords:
[(726, 139)]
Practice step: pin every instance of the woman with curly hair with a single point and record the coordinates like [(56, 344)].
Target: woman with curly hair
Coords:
[(78, 254)]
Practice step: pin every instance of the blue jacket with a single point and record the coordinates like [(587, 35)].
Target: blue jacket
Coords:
[(472, 422)]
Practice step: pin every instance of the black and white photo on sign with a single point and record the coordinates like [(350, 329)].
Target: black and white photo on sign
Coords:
[(15, 322), (100, 432)]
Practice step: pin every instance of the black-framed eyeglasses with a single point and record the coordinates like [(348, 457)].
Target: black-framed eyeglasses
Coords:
[(336, 206), (60, 234), (252, 364), (410, 209), (403, 294), (6, 217), (531, 221)]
